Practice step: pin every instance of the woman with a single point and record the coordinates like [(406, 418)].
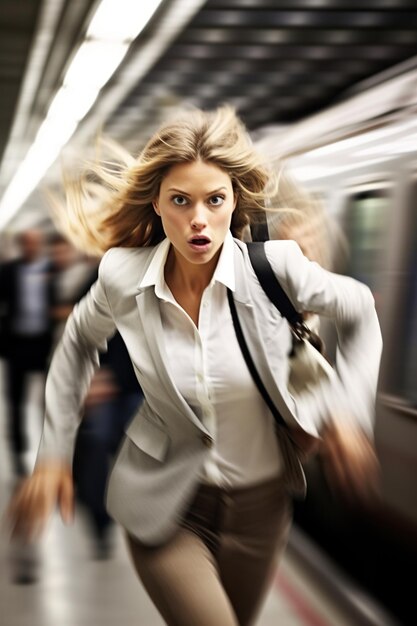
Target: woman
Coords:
[(200, 484)]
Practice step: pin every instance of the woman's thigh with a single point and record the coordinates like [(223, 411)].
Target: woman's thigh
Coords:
[(248, 555), (182, 579)]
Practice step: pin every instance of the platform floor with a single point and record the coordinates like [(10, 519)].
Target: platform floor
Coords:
[(71, 588)]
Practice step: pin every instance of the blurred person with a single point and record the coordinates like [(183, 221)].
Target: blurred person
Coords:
[(113, 398), (203, 483), (26, 302), (69, 270)]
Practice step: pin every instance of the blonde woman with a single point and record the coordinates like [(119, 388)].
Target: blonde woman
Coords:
[(200, 485)]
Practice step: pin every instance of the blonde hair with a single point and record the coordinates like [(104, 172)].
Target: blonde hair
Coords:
[(111, 204), (300, 215)]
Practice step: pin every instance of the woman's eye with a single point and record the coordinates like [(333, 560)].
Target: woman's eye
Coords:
[(179, 200), (216, 200)]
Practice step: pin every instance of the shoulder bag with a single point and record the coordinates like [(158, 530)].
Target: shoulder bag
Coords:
[(352, 466)]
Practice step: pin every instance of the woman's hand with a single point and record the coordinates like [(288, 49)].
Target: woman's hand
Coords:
[(33, 503), (349, 461)]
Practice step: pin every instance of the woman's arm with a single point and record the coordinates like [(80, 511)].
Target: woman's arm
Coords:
[(343, 410), (350, 305), (68, 381)]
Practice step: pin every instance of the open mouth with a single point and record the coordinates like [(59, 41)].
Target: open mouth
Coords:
[(199, 241)]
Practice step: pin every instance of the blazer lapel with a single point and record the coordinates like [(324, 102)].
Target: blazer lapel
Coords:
[(150, 315), (253, 336)]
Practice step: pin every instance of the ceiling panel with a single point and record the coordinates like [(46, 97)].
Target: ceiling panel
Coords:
[(276, 61), (18, 22)]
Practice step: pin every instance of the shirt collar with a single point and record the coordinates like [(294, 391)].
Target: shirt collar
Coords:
[(224, 272), (154, 275), (225, 269)]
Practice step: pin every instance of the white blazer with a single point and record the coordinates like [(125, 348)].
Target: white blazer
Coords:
[(157, 468)]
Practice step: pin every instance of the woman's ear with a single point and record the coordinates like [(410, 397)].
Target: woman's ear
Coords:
[(155, 206)]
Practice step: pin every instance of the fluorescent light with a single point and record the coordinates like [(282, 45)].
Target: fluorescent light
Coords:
[(28, 175), (72, 103), (94, 63), (40, 156), (121, 20), (54, 133), (115, 24)]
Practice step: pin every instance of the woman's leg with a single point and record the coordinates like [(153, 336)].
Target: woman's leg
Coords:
[(254, 535), (182, 579)]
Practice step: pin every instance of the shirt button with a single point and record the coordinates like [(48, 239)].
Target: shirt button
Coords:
[(207, 440)]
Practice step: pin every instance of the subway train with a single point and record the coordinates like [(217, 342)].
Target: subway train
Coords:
[(359, 159)]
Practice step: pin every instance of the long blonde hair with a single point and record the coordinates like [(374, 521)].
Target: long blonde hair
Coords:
[(111, 204), (300, 215)]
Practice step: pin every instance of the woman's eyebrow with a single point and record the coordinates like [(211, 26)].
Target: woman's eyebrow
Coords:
[(209, 193), (178, 191)]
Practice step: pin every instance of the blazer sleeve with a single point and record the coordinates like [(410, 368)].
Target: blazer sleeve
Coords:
[(72, 366), (350, 304)]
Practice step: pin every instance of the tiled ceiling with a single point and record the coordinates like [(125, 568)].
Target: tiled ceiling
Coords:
[(17, 27), (276, 61)]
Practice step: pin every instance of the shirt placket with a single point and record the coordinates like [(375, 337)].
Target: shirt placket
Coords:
[(203, 390), (201, 365)]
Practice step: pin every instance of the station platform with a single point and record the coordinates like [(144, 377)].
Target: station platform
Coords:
[(60, 581)]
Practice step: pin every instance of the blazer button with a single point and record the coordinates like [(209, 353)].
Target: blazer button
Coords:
[(207, 440)]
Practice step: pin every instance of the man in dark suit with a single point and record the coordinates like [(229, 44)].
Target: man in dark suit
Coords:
[(26, 300)]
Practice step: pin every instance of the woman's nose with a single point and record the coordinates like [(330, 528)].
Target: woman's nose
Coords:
[(199, 218)]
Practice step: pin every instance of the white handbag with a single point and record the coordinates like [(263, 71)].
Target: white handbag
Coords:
[(308, 365)]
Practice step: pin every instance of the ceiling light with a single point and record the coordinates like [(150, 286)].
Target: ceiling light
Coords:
[(113, 27), (121, 20), (40, 156), (94, 63), (54, 133), (72, 103)]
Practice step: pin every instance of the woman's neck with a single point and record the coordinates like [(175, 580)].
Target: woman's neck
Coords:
[(188, 277)]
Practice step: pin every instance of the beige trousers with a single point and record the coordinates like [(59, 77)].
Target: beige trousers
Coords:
[(218, 567)]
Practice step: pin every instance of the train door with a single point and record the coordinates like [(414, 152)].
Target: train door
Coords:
[(365, 223)]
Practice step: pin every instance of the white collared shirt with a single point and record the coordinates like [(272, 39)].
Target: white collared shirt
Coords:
[(207, 366)]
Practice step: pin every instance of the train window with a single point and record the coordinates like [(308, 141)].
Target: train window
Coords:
[(409, 357), (366, 218)]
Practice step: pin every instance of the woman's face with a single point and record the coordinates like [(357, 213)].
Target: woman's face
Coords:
[(195, 203)]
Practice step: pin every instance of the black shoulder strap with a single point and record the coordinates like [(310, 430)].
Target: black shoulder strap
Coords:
[(270, 283), (260, 231), (251, 365)]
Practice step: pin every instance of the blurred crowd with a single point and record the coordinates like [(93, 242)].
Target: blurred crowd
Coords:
[(42, 277)]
